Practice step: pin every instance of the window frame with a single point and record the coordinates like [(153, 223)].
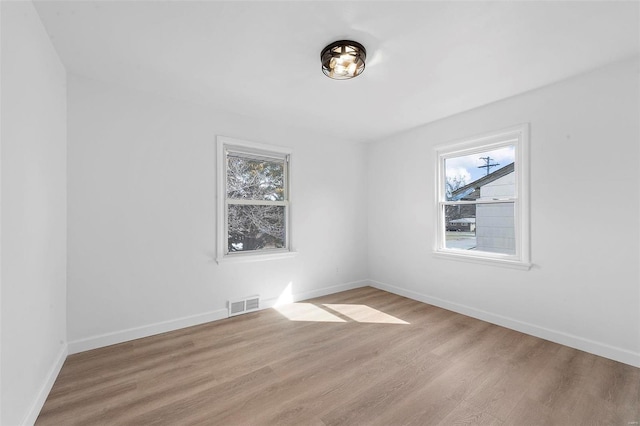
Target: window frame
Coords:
[(225, 145), (517, 136)]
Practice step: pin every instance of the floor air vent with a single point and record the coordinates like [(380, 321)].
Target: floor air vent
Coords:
[(242, 306)]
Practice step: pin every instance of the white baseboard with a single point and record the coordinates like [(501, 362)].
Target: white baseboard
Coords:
[(330, 290), (115, 337), (38, 403), (270, 303), (617, 354)]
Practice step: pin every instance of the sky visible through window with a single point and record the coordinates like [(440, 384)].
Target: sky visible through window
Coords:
[(468, 167)]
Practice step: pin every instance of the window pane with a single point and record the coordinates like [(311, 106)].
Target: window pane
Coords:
[(460, 221), (481, 227), (256, 227), (255, 179), (495, 228), (469, 175)]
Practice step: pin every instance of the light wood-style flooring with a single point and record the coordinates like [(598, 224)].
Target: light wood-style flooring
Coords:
[(360, 357)]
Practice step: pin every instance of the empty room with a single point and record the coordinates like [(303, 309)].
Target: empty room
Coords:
[(319, 212)]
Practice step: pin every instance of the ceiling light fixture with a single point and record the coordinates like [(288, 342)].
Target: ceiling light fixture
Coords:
[(342, 60)]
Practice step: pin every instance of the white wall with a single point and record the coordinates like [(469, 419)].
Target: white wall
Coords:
[(142, 205), (583, 289), (33, 240)]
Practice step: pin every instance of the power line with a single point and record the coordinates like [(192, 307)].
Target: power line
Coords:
[(488, 164)]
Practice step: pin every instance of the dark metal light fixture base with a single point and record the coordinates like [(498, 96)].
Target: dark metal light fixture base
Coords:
[(343, 59)]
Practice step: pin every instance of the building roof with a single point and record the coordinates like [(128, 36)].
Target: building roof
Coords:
[(471, 191), (464, 220)]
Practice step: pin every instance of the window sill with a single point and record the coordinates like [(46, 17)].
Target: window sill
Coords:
[(505, 263), (255, 257)]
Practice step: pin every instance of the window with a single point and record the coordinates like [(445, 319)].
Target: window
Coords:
[(253, 200), (482, 199)]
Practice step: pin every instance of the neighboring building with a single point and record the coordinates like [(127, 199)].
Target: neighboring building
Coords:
[(466, 224), (494, 226), (471, 191)]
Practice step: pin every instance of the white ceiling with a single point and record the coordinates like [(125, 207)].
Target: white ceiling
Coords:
[(426, 60)]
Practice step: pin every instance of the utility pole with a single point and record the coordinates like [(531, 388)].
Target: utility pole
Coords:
[(487, 165)]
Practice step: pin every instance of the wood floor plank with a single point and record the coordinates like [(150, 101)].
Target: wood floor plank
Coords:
[(340, 369), (391, 387), (467, 414), (506, 386), (379, 359)]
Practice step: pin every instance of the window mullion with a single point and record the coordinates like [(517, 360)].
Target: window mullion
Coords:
[(479, 201), (245, 202)]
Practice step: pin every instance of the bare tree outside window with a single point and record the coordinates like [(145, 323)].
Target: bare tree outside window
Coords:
[(256, 202), (454, 183)]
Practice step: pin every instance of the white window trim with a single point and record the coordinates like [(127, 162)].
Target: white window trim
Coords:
[(518, 136), (222, 256)]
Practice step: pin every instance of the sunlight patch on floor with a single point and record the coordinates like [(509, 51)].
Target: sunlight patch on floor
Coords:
[(307, 312), (336, 313), (364, 313)]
